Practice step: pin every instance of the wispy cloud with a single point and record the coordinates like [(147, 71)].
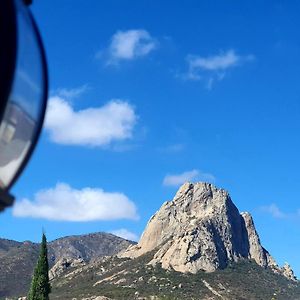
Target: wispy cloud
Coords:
[(125, 234), (274, 211), (214, 67), (71, 93), (64, 203), (96, 126), (193, 175), (129, 45), (278, 213), (222, 61)]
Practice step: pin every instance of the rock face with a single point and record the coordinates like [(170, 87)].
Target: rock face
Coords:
[(288, 272), (63, 264), (201, 229), (256, 251)]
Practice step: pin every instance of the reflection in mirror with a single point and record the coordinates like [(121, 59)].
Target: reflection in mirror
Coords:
[(24, 109), (15, 138)]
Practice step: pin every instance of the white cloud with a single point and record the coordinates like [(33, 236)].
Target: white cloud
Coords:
[(213, 68), (64, 203), (178, 179), (71, 93), (125, 234), (218, 62), (99, 126), (130, 44), (274, 211)]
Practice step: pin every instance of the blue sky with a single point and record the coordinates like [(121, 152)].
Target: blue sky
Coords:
[(194, 91)]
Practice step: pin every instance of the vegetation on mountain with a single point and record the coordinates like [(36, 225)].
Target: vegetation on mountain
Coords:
[(120, 279)]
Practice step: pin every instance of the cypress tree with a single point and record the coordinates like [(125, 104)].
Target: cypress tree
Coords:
[(40, 286)]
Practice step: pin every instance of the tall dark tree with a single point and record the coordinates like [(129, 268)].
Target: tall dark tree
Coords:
[(40, 286)]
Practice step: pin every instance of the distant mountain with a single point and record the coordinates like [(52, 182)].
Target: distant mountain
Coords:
[(17, 259), (86, 247), (197, 246)]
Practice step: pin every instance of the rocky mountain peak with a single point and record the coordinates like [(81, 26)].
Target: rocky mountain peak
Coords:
[(288, 272), (201, 229)]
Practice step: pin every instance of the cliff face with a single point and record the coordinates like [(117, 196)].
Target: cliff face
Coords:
[(201, 229)]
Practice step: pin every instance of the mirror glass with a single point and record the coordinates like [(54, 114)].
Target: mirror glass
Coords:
[(25, 105)]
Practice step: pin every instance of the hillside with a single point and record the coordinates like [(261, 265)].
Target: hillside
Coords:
[(126, 279), (17, 259)]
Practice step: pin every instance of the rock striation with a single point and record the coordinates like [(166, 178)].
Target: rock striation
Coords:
[(201, 229)]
